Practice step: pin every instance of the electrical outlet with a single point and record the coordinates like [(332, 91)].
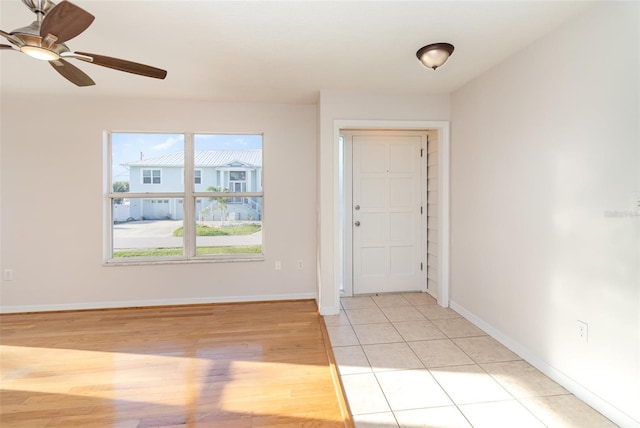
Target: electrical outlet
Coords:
[(8, 274), (278, 265), (300, 264), (583, 331)]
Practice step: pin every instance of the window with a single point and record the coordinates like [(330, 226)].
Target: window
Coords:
[(177, 222), (237, 175), (151, 176), (237, 184)]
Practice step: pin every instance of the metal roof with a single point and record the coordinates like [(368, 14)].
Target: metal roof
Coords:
[(205, 158)]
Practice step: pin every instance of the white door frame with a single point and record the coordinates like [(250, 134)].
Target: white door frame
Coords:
[(443, 194)]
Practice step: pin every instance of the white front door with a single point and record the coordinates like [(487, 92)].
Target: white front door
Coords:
[(387, 229)]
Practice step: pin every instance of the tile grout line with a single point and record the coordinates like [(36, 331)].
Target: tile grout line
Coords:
[(516, 399), (372, 370), (513, 398), (393, 412), (428, 369), (440, 385), (478, 364)]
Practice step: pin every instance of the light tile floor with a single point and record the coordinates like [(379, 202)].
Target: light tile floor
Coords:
[(406, 362)]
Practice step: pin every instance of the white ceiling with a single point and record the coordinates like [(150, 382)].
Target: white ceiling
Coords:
[(285, 52)]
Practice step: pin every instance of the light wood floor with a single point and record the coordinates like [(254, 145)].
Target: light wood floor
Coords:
[(235, 365)]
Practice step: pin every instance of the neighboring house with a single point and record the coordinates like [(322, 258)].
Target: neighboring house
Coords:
[(227, 170)]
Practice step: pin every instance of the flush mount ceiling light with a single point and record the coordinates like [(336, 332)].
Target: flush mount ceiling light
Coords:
[(435, 54)]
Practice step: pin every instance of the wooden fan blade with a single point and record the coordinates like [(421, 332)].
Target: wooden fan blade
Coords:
[(128, 66), (72, 73), (6, 47), (65, 21)]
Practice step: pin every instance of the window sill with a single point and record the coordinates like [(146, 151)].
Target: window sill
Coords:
[(138, 262)]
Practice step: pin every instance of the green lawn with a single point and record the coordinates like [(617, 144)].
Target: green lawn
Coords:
[(242, 229), (200, 251), (241, 249)]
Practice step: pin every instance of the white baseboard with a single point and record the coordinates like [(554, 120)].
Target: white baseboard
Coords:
[(607, 409), (158, 302)]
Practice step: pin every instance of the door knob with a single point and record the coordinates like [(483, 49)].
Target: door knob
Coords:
[(357, 223)]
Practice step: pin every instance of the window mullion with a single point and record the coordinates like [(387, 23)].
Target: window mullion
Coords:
[(189, 200), (107, 233)]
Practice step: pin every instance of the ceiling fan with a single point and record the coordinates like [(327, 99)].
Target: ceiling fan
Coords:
[(55, 24)]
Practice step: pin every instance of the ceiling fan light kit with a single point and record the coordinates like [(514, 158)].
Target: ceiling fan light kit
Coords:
[(435, 55), (45, 40), (39, 53)]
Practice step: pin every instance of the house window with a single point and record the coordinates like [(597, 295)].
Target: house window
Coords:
[(151, 176), (237, 184), (237, 175), (177, 222)]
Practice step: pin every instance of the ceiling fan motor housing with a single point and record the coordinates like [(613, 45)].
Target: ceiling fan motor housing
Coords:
[(39, 6), (30, 36)]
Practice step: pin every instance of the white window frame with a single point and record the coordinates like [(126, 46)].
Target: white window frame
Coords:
[(151, 170), (188, 194)]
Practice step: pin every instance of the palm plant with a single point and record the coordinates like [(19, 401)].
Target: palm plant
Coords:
[(221, 202)]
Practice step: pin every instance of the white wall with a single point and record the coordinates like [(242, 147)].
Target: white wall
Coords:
[(56, 158), (543, 147), (337, 106)]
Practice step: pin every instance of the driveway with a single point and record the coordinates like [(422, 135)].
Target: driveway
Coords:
[(146, 229), (159, 234)]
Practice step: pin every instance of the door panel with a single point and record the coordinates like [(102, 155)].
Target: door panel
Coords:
[(386, 230), (401, 192), (373, 228), (374, 159), (370, 192), (401, 227), (401, 158)]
